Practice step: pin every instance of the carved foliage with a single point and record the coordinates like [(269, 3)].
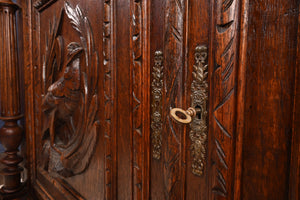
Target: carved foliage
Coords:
[(156, 104), (223, 92), (71, 85), (199, 95)]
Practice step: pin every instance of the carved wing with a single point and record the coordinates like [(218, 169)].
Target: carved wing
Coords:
[(78, 154), (53, 59), (82, 25)]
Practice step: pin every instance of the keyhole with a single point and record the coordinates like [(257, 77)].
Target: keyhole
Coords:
[(198, 112)]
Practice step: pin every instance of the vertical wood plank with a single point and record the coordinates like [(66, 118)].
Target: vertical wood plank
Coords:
[(136, 67), (156, 44), (271, 61), (172, 152), (146, 71), (240, 110), (109, 101), (223, 70), (197, 35), (139, 41), (28, 87), (294, 183), (124, 101)]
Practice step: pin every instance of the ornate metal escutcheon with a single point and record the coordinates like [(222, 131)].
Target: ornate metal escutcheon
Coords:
[(196, 115), (156, 104)]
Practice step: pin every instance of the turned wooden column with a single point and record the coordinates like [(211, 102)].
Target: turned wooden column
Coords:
[(10, 108)]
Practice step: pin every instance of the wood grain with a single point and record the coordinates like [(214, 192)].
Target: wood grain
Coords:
[(173, 86), (271, 61), (124, 101), (240, 110), (294, 183)]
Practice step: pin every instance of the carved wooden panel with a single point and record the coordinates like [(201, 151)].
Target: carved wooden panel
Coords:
[(70, 90), (68, 135), (101, 79)]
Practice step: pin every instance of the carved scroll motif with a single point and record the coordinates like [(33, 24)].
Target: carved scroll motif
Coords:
[(156, 104), (70, 101), (199, 96)]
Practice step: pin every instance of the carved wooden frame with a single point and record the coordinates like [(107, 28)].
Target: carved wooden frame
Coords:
[(109, 83)]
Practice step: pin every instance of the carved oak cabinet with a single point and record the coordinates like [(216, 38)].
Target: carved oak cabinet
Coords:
[(151, 99)]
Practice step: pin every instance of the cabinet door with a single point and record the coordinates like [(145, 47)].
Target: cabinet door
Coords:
[(194, 53)]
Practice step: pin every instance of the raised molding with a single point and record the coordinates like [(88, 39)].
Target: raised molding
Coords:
[(42, 4), (108, 96)]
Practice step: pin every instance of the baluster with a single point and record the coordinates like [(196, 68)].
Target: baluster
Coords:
[(10, 108)]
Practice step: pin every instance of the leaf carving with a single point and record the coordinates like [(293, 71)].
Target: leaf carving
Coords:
[(223, 90)]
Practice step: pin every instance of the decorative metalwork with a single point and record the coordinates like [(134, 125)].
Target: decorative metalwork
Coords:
[(199, 96), (156, 114)]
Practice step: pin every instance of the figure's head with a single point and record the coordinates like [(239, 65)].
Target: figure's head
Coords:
[(74, 52)]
